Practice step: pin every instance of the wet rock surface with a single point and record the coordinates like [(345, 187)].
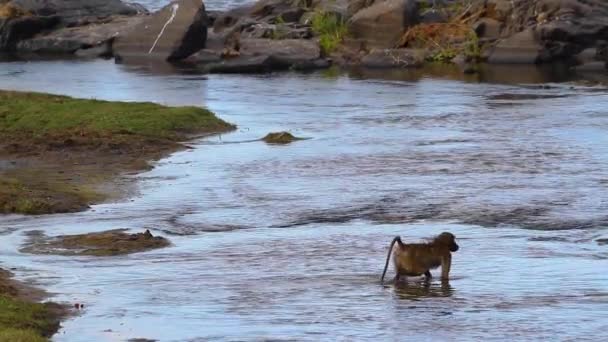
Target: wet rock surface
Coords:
[(173, 33), (75, 12), (69, 40), (108, 243)]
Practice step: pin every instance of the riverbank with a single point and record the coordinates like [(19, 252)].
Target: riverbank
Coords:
[(61, 154), (22, 317)]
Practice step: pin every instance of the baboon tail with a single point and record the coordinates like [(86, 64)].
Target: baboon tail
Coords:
[(390, 251)]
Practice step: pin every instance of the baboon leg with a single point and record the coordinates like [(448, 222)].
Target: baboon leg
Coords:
[(397, 278)]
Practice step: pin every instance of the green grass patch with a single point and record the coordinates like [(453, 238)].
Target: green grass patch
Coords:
[(20, 335), (44, 114), (24, 321), (331, 30), (42, 196)]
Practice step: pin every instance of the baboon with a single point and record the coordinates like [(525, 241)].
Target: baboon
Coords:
[(415, 259)]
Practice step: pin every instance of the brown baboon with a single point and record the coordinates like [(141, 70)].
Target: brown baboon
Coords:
[(416, 259)]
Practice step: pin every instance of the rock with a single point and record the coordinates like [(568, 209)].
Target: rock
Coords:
[(343, 8), (271, 10), (593, 66), (102, 50), (488, 28), (243, 65), (433, 16), (285, 49), (74, 12), (68, 40), (263, 55), (205, 56), (561, 28), (394, 58), (280, 138), (106, 243), (173, 33), (383, 23), (16, 29), (521, 48)]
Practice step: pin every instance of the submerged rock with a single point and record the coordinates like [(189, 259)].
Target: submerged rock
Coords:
[(280, 138), (173, 33), (111, 242)]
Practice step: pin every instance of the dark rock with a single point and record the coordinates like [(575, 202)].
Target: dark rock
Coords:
[(244, 65), (295, 49), (102, 50), (394, 58), (562, 29), (205, 56), (433, 16), (488, 28), (280, 138), (16, 29), (173, 33), (263, 55), (521, 48), (271, 10), (592, 66), (383, 23), (91, 40), (74, 12)]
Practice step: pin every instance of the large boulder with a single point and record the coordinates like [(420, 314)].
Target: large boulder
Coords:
[(14, 30), (68, 40), (173, 33), (540, 31), (383, 23), (73, 12), (521, 48)]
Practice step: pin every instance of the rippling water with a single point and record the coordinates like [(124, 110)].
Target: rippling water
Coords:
[(288, 242)]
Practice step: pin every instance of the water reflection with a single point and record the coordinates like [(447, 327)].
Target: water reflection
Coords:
[(418, 290)]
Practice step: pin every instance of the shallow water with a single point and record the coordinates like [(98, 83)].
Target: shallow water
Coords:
[(288, 242)]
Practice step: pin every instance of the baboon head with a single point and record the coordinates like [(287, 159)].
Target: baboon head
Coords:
[(448, 240)]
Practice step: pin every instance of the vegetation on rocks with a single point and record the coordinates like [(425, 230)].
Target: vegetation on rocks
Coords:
[(280, 138), (107, 243), (446, 40), (330, 29)]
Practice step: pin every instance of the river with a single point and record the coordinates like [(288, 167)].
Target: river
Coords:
[(288, 242)]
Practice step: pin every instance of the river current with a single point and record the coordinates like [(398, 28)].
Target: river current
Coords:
[(288, 242)]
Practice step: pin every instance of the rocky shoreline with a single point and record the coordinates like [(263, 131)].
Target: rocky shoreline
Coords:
[(314, 34)]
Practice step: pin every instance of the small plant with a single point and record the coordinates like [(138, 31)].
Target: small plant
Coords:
[(444, 55), (471, 47), (331, 30)]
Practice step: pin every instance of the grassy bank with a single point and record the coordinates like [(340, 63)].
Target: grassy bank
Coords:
[(21, 318), (58, 154)]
